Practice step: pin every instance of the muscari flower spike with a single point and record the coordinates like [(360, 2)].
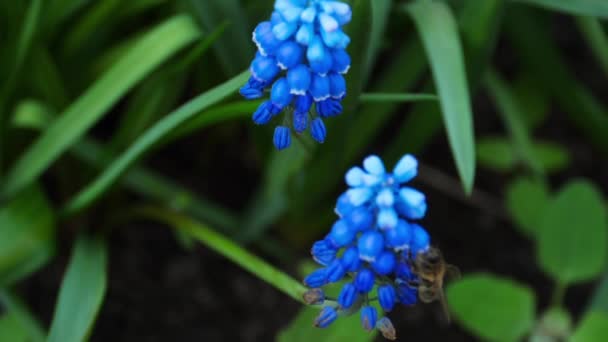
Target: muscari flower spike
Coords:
[(372, 244), (301, 59)]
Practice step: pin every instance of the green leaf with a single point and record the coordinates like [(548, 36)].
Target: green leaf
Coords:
[(496, 153), (228, 249), (533, 98), (402, 97), (592, 328), (529, 34), (11, 329), (526, 201), (511, 114), (551, 156), (150, 51), (573, 233), (599, 302), (439, 34), (235, 49), (301, 329), (82, 291), (593, 8), (151, 136), (596, 37), (500, 154), (21, 314), (380, 12), (493, 308), (27, 235)]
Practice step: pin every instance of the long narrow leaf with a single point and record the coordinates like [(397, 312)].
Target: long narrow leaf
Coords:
[(511, 115), (230, 250), (595, 8), (82, 291), (153, 135), (439, 34), (21, 313), (596, 37), (144, 57)]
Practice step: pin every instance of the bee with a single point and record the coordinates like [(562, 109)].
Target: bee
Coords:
[(431, 269)]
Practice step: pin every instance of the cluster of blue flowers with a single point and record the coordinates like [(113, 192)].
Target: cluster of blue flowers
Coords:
[(304, 39), (373, 242)]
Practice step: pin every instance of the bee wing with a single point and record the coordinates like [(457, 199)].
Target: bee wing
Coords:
[(452, 272), (427, 294)]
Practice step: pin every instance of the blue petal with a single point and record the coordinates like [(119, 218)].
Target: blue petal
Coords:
[(347, 296), (318, 130), (265, 40), (326, 317), (282, 137), (328, 23), (335, 271), (317, 278), (337, 85), (364, 280), (413, 203), (323, 253), (341, 61), (387, 296), (303, 103), (335, 39), (373, 164), (420, 239), (385, 263), (341, 234), (264, 69), (300, 121), (308, 15), (385, 198), (263, 114), (354, 176), (359, 196), (350, 259), (280, 94), (399, 237), (319, 58), (319, 87), (328, 108), (299, 80), (369, 315), (343, 205), (387, 218), (406, 168), (284, 30), (360, 218), (340, 11), (406, 294), (305, 34), (289, 55), (370, 245)]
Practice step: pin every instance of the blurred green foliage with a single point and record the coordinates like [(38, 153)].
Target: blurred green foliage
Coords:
[(91, 88)]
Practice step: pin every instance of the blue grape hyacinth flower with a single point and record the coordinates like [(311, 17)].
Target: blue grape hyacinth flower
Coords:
[(302, 60), (372, 245)]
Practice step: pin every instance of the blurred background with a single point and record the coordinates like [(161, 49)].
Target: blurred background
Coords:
[(87, 83)]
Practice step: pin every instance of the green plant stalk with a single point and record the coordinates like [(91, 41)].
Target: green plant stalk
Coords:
[(228, 249)]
